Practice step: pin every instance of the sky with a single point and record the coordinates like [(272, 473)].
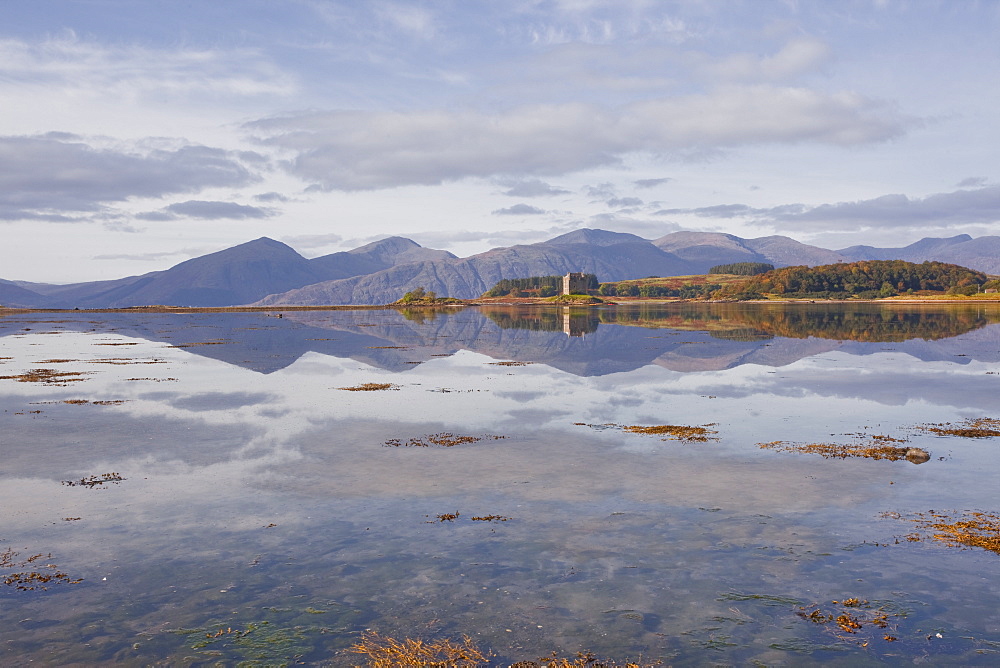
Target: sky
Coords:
[(137, 135)]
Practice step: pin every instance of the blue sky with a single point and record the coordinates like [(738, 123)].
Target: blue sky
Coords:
[(135, 135)]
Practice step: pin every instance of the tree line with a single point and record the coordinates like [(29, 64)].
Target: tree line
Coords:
[(866, 279), (544, 286)]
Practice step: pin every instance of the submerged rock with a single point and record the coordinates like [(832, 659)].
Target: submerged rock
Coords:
[(917, 455)]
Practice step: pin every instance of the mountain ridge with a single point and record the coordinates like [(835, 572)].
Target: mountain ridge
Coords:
[(267, 272)]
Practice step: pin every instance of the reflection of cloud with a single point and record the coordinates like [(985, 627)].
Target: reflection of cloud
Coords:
[(220, 401)]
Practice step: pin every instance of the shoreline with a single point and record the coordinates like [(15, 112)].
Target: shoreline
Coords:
[(476, 302)]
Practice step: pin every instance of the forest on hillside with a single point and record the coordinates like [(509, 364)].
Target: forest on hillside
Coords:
[(866, 279)]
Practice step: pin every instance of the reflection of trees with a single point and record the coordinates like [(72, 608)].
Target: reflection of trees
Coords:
[(848, 324), (569, 320), (755, 322)]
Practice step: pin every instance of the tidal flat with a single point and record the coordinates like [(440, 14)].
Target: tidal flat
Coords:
[(642, 483)]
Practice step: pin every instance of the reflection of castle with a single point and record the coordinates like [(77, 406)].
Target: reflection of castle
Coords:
[(576, 324)]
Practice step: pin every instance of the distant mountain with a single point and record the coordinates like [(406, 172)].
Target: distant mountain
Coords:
[(268, 272), (237, 275), (709, 249), (375, 256), (915, 252), (610, 255), (13, 295), (982, 253)]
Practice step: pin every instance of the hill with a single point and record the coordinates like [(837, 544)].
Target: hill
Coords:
[(234, 276), (268, 272), (609, 255), (866, 279)]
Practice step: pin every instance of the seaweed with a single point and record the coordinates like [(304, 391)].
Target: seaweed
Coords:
[(874, 451), (94, 480), (388, 652), (255, 644), (971, 528), (689, 434), (850, 617), (444, 439), (31, 579), (48, 377), (972, 428), (370, 387)]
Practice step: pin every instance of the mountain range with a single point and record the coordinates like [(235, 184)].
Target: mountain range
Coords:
[(266, 272)]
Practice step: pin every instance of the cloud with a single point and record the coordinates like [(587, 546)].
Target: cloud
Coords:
[(651, 183), (216, 210), (624, 202), (647, 229), (972, 182), (530, 188), (961, 207), (495, 238), (519, 210), (270, 197), (136, 256), (603, 191), (717, 211), (50, 178), (309, 241), (355, 150), (413, 20), (797, 57), (126, 72)]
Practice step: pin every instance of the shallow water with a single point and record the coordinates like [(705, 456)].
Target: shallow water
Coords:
[(267, 516)]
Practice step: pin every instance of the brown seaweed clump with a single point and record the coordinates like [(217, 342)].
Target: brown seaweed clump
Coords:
[(31, 579), (47, 376), (388, 652), (444, 439), (971, 428), (676, 432), (845, 451), (851, 616), (95, 480), (370, 387), (971, 528)]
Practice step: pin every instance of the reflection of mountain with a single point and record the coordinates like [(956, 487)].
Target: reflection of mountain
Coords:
[(689, 337), (841, 322)]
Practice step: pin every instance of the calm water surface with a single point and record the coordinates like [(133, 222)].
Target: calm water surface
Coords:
[(266, 516)]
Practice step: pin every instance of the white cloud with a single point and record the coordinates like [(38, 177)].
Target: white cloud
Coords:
[(215, 210), (417, 21), (48, 177), (794, 59), (81, 67), (651, 183), (980, 206), (961, 207), (348, 150), (530, 188), (519, 210)]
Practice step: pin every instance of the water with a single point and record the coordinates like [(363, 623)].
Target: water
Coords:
[(266, 516)]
